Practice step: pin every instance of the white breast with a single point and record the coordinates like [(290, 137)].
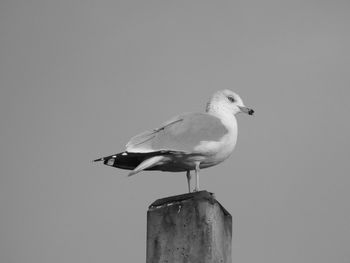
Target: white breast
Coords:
[(217, 151)]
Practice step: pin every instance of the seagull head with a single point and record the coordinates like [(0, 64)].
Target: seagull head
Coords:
[(227, 101)]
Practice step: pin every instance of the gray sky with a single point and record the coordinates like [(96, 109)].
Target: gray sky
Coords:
[(79, 78)]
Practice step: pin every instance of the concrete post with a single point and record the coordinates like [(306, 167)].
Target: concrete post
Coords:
[(192, 228)]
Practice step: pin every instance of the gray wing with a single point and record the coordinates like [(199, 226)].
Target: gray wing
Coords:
[(182, 133)]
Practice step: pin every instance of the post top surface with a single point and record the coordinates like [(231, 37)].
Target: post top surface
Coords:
[(171, 200), (183, 197)]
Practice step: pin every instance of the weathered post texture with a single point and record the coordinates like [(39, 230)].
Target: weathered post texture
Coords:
[(192, 228)]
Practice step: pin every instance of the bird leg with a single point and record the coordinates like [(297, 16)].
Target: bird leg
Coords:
[(188, 175), (196, 189)]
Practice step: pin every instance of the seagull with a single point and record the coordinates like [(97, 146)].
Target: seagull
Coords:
[(187, 142)]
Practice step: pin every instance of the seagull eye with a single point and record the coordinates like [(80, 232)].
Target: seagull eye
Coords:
[(231, 99)]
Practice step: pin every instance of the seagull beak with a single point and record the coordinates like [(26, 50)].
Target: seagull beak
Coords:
[(246, 110)]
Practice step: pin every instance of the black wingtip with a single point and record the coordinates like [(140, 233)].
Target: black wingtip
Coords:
[(106, 158)]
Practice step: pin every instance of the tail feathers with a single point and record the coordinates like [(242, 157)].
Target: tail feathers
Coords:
[(146, 164)]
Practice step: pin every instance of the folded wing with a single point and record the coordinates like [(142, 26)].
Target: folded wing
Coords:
[(182, 134)]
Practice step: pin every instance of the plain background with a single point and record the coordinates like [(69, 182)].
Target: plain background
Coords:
[(79, 78)]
